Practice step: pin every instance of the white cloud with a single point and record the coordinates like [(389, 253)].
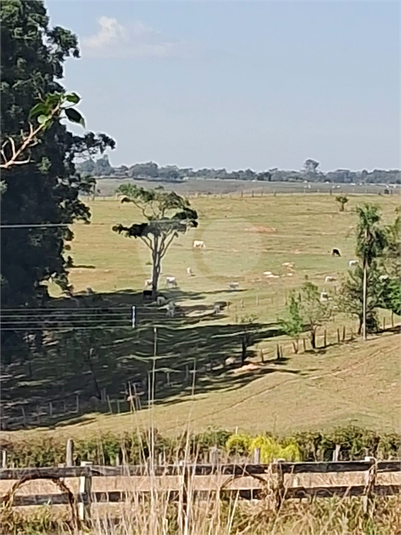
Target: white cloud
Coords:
[(135, 40)]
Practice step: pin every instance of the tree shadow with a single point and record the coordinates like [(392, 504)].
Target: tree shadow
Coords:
[(176, 354)]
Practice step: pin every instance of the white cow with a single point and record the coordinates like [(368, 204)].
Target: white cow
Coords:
[(329, 279), (383, 277), (233, 285), (161, 300), (189, 272), (353, 263), (170, 309), (171, 281), (148, 283), (199, 244)]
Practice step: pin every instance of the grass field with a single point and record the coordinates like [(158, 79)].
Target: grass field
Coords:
[(351, 382)]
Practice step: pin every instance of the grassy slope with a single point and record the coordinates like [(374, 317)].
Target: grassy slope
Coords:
[(355, 382)]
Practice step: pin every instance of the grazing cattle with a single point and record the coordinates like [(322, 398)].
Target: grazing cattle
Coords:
[(189, 272), (216, 309), (353, 263), (329, 279), (230, 361), (171, 310), (383, 277), (161, 300), (324, 296), (147, 295), (288, 264), (148, 283), (335, 252), (221, 304), (270, 275), (233, 286), (199, 244), (171, 281)]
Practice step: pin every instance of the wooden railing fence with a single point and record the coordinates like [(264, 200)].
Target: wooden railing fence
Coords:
[(189, 474)]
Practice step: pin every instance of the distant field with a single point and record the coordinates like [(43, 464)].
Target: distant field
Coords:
[(244, 237), (107, 187)]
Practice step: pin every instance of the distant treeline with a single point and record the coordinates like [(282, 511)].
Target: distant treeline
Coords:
[(172, 173)]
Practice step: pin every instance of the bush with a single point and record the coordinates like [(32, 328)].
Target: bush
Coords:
[(355, 443)]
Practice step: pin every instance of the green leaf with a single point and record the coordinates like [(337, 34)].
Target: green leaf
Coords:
[(42, 119), (74, 116), (73, 97), (38, 109)]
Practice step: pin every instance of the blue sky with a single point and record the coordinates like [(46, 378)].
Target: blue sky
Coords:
[(240, 84)]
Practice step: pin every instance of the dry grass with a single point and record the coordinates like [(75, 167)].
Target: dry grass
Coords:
[(355, 383)]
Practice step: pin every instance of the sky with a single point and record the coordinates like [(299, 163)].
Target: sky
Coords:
[(239, 84)]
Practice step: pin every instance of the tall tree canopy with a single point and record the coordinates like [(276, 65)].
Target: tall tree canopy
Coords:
[(371, 241), (166, 215), (46, 190)]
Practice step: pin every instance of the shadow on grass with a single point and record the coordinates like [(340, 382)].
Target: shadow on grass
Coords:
[(96, 348)]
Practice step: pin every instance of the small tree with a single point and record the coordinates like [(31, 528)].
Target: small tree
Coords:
[(247, 334), (371, 241), (293, 325), (342, 200), (351, 297), (314, 312), (166, 214), (391, 267)]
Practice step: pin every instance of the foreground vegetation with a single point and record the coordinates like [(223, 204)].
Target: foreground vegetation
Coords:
[(136, 447), (332, 516)]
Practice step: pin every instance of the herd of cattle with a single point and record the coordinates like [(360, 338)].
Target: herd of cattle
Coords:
[(171, 282)]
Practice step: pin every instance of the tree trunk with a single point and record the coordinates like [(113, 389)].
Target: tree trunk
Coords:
[(243, 349), (313, 338), (155, 271), (341, 208), (364, 301)]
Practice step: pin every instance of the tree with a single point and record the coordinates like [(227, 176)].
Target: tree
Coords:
[(351, 297), (247, 334), (166, 214), (391, 267), (342, 200), (371, 241), (311, 166), (293, 325), (45, 190), (314, 312)]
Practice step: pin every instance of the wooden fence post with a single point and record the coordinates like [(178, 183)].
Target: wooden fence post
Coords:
[(278, 483), (23, 415), (85, 490), (392, 319), (384, 324), (304, 344), (278, 352), (4, 458), (370, 481), (183, 497), (69, 453), (214, 456), (336, 453), (256, 456), (338, 336), (325, 339), (344, 333)]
